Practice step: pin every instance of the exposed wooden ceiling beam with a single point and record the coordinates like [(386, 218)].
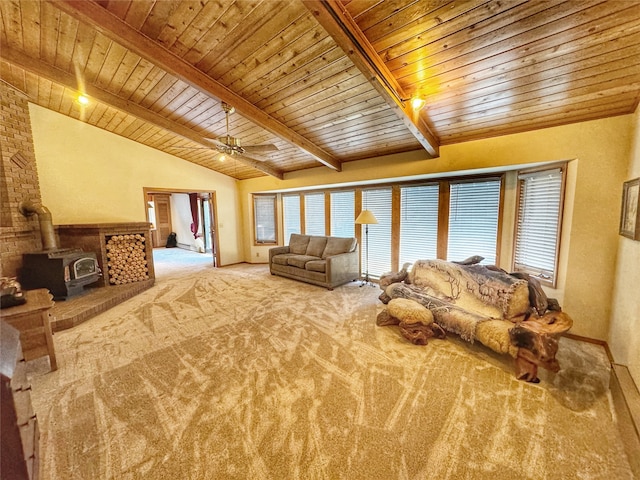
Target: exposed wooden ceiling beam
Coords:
[(106, 23), (68, 80), (345, 32)]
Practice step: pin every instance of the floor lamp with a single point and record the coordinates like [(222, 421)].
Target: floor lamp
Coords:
[(366, 218)]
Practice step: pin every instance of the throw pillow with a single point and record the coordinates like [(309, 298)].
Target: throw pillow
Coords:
[(336, 245), (316, 246), (298, 243)]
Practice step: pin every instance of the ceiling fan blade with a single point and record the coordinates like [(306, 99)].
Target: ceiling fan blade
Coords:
[(266, 148), (218, 141), (252, 157)]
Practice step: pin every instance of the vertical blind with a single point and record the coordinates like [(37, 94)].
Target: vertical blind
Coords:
[(291, 214), (418, 223), (540, 198), (473, 220), (264, 207), (314, 223), (343, 214), (379, 243)]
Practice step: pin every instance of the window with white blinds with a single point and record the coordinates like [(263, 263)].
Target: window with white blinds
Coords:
[(418, 223), (473, 220), (314, 223), (291, 214), (343, 213), (264, 210), (378, 256), (538, 223)]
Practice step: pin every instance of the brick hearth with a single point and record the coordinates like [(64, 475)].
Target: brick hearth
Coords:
[(69, 313)]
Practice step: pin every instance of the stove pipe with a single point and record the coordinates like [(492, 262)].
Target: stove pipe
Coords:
[(47, 233)]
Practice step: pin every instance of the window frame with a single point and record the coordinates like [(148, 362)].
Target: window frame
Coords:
[(444, 183), (446, 210), (406, 238), (538, 273), (309, 213), (300, 223), (332, 210), (256, 240)]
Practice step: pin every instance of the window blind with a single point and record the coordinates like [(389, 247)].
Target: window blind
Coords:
[(314, 223), (264, 208), (418, 223), (291, 214), (473, 220), (343, 214), (538, 224), (379, 254)]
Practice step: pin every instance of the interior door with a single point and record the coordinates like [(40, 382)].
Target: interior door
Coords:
[(208, 226), (162, 204)]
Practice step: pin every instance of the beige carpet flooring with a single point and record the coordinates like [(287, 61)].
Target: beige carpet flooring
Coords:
[(236, 374)]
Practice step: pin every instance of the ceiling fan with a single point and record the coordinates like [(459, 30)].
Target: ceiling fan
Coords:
[(229, 145)]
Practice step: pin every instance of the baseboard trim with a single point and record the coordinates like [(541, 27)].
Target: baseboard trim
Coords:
[(626, 403), (595, 341)]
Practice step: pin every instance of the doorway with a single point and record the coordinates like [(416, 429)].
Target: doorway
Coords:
[(192, 215), (159, 215)]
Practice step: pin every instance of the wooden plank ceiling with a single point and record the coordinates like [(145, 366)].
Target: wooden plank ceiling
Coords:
[(326, 82)]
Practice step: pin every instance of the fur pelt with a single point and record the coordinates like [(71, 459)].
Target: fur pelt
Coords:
[(409, 311), (491, 293), (495, 335)]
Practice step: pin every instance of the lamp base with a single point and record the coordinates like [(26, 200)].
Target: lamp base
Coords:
[(366, 281)]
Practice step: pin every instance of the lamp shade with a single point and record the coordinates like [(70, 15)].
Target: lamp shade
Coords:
[(366, 217)]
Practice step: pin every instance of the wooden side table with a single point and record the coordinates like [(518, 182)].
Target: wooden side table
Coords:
[(33, 322)]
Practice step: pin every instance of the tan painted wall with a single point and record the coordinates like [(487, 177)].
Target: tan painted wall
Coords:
[(88, 175), (624, 337), (599, 154)]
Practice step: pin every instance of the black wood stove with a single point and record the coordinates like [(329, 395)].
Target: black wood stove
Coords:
[(64, 272)]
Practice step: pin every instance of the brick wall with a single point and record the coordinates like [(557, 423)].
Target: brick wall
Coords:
[(18, 181)]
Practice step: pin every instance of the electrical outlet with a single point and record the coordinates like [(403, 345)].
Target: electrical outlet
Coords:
[(257, 254)]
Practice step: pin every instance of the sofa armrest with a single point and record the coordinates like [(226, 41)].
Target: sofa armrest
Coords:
[(343, 266), (277, 251)]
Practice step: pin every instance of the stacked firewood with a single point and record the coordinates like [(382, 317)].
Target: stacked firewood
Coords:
[(127, 260)]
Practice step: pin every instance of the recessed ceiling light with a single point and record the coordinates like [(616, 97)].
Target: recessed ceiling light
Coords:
[(83, 100)]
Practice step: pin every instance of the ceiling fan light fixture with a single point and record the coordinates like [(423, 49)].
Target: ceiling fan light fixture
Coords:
[(229, 146)]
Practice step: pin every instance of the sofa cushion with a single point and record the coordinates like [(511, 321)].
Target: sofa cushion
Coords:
[(298, 243), (300, 260), (282, 258), (316, 246), (337, 245), (316, 266)]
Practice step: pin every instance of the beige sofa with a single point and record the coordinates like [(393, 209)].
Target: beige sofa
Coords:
[(324, 261)]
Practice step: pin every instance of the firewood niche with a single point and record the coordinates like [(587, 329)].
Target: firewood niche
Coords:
[(124, 250), (509, 313)]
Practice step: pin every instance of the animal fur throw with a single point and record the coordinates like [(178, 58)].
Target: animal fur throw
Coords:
[(476, 288)]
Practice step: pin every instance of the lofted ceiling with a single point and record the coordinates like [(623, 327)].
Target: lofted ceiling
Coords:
[(326, 82)]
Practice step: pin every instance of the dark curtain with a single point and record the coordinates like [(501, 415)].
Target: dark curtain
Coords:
[(193, 203)]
